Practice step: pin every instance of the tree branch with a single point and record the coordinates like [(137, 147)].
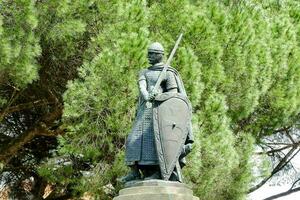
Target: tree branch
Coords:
[(289, 136), (27, 105), (8, 151), (283, 162), (277, 143), (284, 129), (294, 144), (294, 183), (275, 150), (24, 106), (283, 193)]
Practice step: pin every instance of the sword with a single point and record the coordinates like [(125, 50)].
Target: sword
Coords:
[(163, 72), (178, 170)]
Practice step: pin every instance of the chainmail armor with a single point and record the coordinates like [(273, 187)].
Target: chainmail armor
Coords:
[(140, 144)]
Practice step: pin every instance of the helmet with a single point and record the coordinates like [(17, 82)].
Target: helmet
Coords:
[(156, 47)]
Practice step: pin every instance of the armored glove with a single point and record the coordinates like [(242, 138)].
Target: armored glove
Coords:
[(152, 95)]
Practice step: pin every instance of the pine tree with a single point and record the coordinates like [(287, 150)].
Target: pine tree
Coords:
[(68, 88), (19, 45), (104, 103)]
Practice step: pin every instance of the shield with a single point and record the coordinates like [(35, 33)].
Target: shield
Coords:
[(171, 114)]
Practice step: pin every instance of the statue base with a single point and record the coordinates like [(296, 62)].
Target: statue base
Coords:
[(155, 190)]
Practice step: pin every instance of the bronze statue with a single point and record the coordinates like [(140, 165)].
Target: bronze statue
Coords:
[(161, 135)]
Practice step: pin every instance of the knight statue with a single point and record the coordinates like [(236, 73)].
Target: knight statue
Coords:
[(161, 136)]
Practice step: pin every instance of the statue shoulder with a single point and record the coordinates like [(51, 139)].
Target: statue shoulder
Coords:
[(171, 69), (141, 74)]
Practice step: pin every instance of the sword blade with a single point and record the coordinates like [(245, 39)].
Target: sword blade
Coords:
[(161, 75)]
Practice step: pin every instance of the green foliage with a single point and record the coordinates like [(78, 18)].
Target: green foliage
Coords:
[(241, 173), (19, 45), (93, 102), (239, 61), (104, 103), (233, 62), (65, 23)]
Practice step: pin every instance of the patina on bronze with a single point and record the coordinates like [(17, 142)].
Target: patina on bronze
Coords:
[(161, 135)]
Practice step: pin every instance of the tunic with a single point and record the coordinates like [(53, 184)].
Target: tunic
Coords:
[(140, 143)]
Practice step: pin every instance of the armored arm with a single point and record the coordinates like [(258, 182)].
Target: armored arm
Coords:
[(171, 83), (143, 86)]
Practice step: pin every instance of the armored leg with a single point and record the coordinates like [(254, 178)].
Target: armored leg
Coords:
[(134, 174), (151, 172)]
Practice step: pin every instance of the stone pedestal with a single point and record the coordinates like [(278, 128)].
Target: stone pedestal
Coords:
[(156, 190)]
